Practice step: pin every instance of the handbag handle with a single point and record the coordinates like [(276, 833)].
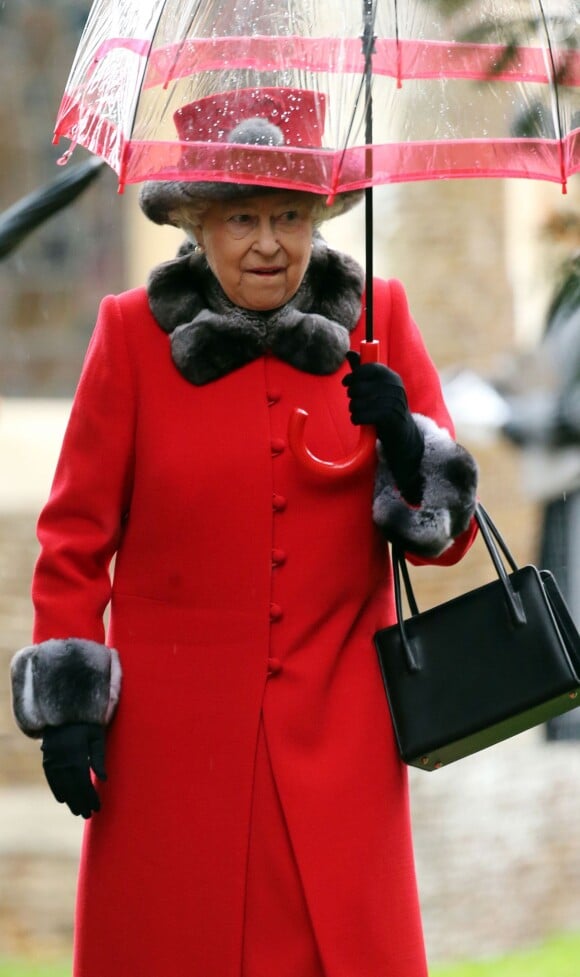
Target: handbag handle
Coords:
[(496, 546)]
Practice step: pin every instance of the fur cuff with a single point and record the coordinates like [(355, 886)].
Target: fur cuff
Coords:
[(64, 681), (449, 495)]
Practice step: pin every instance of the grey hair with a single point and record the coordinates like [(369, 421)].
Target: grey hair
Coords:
[(189, 216)]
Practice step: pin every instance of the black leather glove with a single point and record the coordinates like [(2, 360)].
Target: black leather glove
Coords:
[(70, 752), (377, 396)]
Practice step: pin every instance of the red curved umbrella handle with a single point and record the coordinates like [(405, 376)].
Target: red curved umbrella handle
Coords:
[(369, 353)]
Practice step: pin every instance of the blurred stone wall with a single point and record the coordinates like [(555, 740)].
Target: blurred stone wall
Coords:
[(51, 283)]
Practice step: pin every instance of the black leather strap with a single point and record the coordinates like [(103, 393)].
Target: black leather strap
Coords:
[(497, 547)]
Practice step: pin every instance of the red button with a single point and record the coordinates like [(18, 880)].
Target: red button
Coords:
[(273, 397), (277, 446), (279, 503), (276, 612), (274, 666), (278, 558)]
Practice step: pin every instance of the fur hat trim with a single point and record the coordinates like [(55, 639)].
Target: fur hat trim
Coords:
[(157, 199)]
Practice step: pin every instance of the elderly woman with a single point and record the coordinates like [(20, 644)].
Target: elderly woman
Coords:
[(254, 820)]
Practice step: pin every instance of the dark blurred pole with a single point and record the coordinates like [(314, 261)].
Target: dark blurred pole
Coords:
[(35, 208)]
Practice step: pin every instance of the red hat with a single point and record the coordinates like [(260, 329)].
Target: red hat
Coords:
[(290, 117), (297, 113)]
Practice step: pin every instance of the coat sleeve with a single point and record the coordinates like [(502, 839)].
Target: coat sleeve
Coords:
[(80, 527), (69, 674), (442, 527)]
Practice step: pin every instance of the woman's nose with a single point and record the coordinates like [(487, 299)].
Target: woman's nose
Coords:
[(266, 238)]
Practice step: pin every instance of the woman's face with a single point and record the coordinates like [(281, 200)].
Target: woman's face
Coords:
[(258, 248)]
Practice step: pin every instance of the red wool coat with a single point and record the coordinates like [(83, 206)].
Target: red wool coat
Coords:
[(243, 586)]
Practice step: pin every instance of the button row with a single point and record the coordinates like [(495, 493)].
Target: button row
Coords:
[(279, 503)]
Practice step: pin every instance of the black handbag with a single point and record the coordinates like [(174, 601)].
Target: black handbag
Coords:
[(481, 667)]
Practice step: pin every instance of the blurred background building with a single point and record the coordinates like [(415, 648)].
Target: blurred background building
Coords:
[(50, 286), (498, 835)]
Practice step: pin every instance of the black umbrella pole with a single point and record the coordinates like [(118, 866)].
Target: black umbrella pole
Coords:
[(369, 331), (368, 43)]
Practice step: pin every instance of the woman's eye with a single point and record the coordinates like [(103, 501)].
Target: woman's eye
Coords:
[(290, 220), (240, 225), (240, 220)]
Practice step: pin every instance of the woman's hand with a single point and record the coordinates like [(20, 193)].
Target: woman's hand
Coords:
[(377, 396), (70, 752)]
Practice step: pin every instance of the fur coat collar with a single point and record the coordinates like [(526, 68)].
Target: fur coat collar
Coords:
[(210, 336)]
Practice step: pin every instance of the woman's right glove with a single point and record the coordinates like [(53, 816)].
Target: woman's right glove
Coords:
[(425, 487), (70, 752)]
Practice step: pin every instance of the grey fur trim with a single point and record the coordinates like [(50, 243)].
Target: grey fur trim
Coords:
[(449, 495), (210, 336), (64, 680), (158, 198)]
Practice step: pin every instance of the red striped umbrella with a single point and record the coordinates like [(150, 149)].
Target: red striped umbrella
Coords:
[(448, 89)]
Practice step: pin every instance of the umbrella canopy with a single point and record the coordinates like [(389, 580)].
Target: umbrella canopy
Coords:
[(479, 88), (360, 92)]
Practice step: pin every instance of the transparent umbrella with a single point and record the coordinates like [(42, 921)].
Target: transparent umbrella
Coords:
[(450, 82), (386, 92)]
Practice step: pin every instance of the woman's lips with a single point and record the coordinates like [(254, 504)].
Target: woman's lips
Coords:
[(266, 272)]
